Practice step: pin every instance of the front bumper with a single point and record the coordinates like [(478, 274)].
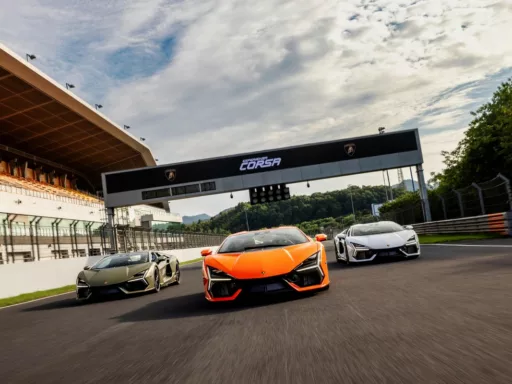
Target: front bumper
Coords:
[(86, 292), (364, 255), (229, 290)]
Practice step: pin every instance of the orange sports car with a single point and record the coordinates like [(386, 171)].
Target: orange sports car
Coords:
[(266, 261)]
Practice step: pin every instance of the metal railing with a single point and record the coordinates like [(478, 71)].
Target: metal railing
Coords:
[(496, 223), (73, 238), (50, 196), (477, 199)]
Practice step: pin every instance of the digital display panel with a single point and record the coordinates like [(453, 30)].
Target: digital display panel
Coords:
[(185, 189), (209, 186), (156, 194)]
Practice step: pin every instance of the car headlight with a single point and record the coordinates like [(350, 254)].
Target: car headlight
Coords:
[(311, 262), (80, 283), (217, 275), (411, 240), (357, 246)]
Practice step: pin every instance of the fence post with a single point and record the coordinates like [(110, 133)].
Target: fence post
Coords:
[(5, 241), (31, 230), (509, 191), (444, 207), (461, 206), (38, 248), (58, 236), (480, 197)]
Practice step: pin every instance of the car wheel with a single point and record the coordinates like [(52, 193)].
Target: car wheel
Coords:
[(157, 282), (178, 273), (345, 252), (336, 253)]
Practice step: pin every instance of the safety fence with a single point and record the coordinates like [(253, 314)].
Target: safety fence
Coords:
[(494, 223), (477, 199), (33, 242)]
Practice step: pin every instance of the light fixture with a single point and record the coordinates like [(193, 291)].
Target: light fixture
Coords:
[(69, 86), (381, 130), (126, 126), (98, 106), (142, 139), (30, 57), (308, 184), (231, 195)]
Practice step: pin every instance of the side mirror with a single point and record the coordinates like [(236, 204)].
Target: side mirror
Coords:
[(342, 235), (86, 268), (321, 237), (161, 258), (206, 252), (408, 227)]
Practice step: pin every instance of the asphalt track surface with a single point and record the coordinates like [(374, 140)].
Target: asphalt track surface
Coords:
[(443, 318)]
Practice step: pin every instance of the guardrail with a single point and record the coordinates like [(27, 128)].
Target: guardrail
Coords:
[(499, 223)]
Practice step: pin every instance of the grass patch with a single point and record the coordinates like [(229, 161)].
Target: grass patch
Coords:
[(191, 261), (433, 239), (23, 298)]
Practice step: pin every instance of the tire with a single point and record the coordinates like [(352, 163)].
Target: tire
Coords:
[(347, 258), (158, 285), (336, 253), (178, 274)]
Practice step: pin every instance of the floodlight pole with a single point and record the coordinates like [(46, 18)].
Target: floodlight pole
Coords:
[(246, 219), (423, 193)]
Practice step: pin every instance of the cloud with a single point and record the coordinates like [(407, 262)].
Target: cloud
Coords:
[(203, 78)]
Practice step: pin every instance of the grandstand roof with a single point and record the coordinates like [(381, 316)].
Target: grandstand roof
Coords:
[(42, 118)]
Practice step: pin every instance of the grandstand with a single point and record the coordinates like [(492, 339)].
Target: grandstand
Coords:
[(53, 149)]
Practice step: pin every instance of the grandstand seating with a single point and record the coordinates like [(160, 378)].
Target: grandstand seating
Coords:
[(29, 182)]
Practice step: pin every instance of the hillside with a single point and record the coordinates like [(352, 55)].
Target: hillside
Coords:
[(299, 209), (195, 218)]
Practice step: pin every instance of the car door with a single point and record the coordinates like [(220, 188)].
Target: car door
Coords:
[(164, 267)]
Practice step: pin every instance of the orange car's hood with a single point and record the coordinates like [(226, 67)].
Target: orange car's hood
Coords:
[(262, 263)]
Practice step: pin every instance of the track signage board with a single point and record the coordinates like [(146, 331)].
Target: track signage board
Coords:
[(276, 166)]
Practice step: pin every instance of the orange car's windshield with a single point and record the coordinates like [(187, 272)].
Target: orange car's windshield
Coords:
[(281, 237)]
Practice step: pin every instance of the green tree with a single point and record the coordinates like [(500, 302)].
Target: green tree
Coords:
[(486, 148)]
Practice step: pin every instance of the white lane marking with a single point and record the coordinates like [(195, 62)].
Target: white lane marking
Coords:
[(33, 301), (470, 245)]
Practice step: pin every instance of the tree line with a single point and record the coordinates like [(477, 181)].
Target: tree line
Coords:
[(484, 151), (311, 213)]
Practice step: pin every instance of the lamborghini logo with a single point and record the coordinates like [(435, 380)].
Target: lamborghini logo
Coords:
[(170, 174), (262, 272), (350, 149), (387, 245), (105, 282)]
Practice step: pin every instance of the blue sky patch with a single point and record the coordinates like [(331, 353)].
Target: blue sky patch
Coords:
[(141, 60)]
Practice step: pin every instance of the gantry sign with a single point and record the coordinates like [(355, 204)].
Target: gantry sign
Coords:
[(264, 168)]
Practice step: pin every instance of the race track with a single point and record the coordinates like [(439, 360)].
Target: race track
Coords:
[(444, 318)]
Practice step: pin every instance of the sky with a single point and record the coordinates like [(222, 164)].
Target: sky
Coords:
[(204, 78)]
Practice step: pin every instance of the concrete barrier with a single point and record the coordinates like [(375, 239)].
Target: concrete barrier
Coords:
[(19, 278)]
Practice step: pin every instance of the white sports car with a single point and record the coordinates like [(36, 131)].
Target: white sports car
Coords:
[(365, 242)]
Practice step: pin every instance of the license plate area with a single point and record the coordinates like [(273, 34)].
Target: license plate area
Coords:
[(270, 287)]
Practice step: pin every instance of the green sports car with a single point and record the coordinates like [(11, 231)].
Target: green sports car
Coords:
[(126, 274)]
